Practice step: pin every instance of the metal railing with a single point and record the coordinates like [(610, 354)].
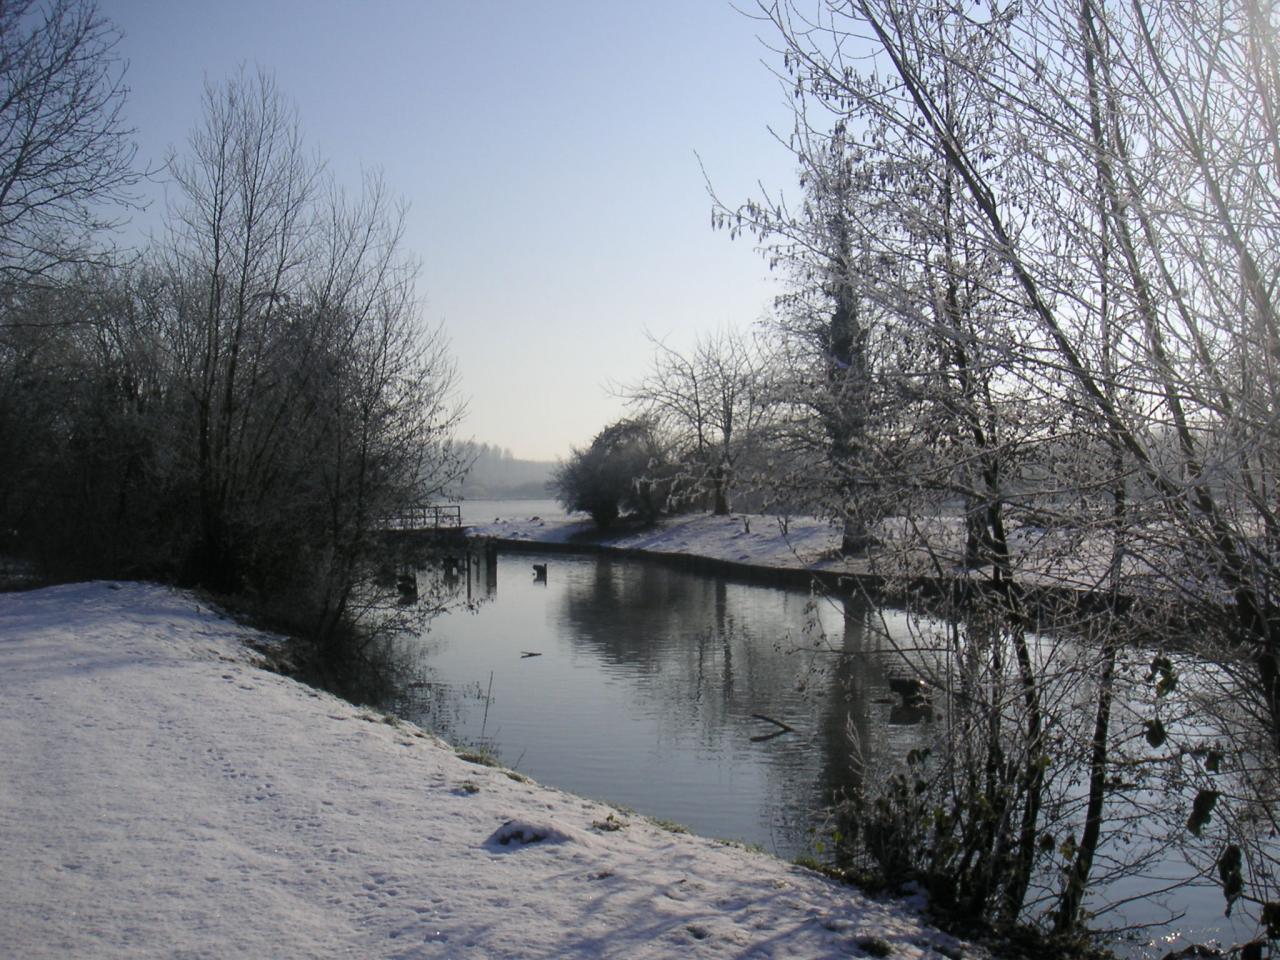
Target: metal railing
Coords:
[(427, 516)]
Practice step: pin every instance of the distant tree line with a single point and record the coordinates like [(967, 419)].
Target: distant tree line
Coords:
[(496, 473), (241, 403)]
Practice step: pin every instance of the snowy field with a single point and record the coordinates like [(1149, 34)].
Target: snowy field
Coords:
[(163, 796)]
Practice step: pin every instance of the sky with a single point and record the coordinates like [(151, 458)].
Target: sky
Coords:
[(551, 155)]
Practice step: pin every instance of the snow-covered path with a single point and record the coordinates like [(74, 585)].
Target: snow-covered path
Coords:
[(161, 796)]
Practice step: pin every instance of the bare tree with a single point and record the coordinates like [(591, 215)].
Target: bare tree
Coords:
[(66, 154), (65, 166), (318, 402), (241, 238), (386, 407), (711, 403)]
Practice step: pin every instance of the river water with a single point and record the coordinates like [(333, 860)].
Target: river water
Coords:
[(662, 691), (648, 688)]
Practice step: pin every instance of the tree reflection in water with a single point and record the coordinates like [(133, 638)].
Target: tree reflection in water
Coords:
[(651, 687)]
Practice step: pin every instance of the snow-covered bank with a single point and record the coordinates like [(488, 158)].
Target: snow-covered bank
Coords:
[(160, 795), (761, 541), (1041, 558)]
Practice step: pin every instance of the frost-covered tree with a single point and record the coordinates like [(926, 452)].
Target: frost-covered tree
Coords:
[(827, 364), (66, 172), (1098, 298), (712, 403)]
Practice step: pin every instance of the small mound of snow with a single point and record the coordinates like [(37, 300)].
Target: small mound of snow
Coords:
[(524, 832)]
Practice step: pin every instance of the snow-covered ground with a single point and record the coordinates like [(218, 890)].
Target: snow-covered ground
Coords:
[(163, 796)]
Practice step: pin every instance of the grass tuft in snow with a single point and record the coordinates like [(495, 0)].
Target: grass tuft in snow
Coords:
[(669, 825), (740, 845), (484, 758), (609, 824)]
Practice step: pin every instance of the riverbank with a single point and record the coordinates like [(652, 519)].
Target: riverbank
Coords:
[(792, 550), (750, 546), (804, 543), (1048, 564), (162, 794)]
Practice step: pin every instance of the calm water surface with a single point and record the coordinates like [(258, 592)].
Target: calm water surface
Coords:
[(487, 511), (648, 685), (645, 685)]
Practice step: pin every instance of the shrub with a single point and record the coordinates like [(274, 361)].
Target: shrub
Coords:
[(623, 470)]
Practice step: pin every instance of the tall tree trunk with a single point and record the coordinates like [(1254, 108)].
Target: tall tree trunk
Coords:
[(720, 492)]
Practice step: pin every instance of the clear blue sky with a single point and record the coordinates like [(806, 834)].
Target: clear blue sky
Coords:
[(547, 151)]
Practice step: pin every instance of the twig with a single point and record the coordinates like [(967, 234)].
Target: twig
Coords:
[(485, 722), (776, 723)]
